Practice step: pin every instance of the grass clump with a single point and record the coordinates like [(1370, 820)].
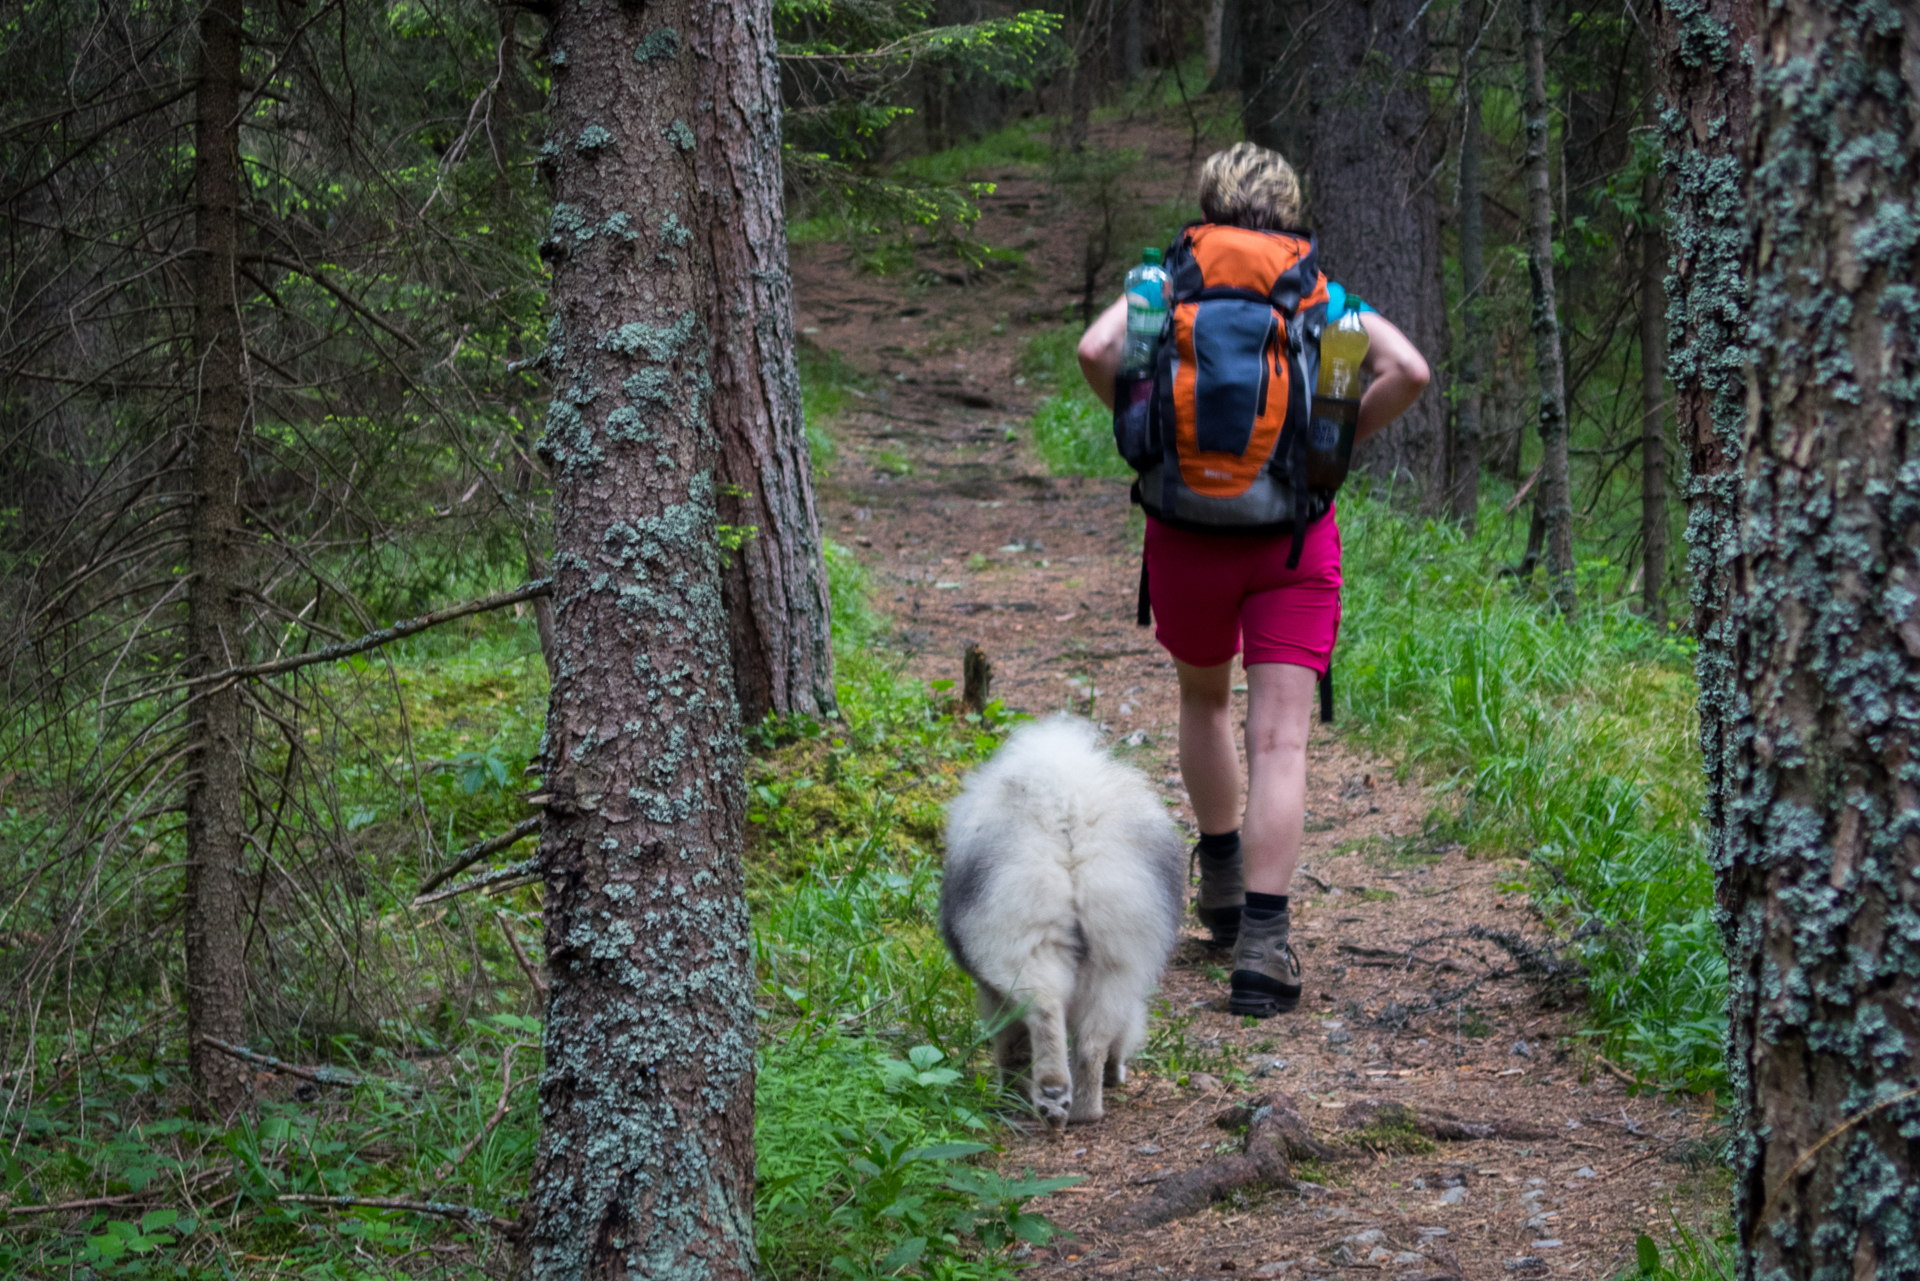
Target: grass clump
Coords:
[(1573, 741), (1072, 431)]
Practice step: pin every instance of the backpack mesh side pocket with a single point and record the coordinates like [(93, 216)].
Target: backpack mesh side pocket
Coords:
[(1136, 426)]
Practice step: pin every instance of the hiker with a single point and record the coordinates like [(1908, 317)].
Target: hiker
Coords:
[(1240, 542)]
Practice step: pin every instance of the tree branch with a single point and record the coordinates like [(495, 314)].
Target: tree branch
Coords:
[(319, 1076), (372, 640), (445, 1210), (467, 857)]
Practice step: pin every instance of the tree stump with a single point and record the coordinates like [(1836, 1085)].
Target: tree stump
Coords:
[(976, 675)]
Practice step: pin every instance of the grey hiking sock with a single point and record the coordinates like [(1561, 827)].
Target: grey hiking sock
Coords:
[(1266, 973)]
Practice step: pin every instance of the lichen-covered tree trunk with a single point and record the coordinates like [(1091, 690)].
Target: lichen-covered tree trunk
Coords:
[(1653, 412), (1371, 148), (776, 580), (216, 817), (1706, 88), (1554, 495), (645, 1163), (1821, 882), (1464, 456)]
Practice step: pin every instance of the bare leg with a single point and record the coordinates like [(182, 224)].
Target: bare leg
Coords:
[(1279, 705), (1209, 765)]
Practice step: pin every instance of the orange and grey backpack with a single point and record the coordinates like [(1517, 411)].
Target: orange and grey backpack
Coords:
[(1219, 433)]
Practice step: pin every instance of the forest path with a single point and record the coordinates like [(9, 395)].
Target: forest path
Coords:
[(970, 540)]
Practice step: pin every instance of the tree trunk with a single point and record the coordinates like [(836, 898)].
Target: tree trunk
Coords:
[(775, 583), (1132, 48), (645, 1163), (1370, 149), (1708, 48), (1231, 69), (1555, 495), (216, 818), (1210, 27), (1821, 878), (1266, 58), (1653, 409), (1464, 480)]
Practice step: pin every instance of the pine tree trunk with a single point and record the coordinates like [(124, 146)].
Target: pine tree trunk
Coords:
[(1821, 879), (1268, 66), (1554, 496), (1232, 68), (1370, 149), (1132, 46), (776, 581), (1707, 47), (645, 1162), (1211, 18), (216, 817), (1653, 412), (1465, 461)]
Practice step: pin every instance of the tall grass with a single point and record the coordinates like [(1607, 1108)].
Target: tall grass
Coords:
[(1569, 742)]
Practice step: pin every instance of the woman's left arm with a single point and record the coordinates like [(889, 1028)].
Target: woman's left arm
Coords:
[(1399, 372)]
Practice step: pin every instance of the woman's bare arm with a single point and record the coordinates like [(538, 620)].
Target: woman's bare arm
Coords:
[(1399, 372), (1100, 349)]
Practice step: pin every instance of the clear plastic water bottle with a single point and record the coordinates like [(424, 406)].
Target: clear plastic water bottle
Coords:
[(1146, 311)]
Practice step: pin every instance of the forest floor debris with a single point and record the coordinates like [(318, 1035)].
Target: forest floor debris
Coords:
[(1437, 1056)]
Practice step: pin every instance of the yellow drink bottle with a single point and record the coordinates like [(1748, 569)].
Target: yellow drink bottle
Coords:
[(1336, 401)]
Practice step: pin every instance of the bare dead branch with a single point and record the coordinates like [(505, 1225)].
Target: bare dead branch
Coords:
[(467, 857)]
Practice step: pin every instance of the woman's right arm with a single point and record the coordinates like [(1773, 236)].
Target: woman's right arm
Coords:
[(1399, 372), (1100, 349)]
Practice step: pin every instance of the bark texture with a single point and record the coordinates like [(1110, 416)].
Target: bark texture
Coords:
[(1821, 763), (645, 1164), (776, 581), (1653, 413), (1554, 497), (216, 817), (1464, 465), (1371, 149), (1706, 90)]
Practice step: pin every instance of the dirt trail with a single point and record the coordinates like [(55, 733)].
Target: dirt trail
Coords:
[(970, 540)]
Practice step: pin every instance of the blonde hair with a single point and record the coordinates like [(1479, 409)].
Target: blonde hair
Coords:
[(1248, 186)]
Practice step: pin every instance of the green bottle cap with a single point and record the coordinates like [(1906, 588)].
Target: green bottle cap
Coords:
[(1151, 257)]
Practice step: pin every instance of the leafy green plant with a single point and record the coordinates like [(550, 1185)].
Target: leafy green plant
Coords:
[(1694, 1257)]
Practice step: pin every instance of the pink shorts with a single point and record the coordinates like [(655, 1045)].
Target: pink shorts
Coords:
[(1210, 589)]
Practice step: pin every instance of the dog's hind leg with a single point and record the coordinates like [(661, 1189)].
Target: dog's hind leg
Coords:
[(1046, 1025), (1106, 1016), (1012, 1047)]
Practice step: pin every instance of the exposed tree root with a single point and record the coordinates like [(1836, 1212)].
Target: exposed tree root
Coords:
[(1276, 1133), (1444, 1126)]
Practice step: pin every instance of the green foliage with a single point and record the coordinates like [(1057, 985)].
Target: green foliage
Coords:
[(1570, 743), (1694, 1256), (1072, 431)]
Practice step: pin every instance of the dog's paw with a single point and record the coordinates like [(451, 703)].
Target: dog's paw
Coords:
[(1054, 1103), (1085, 1110)]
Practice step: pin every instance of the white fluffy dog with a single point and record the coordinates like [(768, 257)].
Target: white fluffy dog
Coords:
[(1062, 902)]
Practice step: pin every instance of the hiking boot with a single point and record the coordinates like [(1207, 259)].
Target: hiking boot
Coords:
[(1223, 892), (1266, 973)]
